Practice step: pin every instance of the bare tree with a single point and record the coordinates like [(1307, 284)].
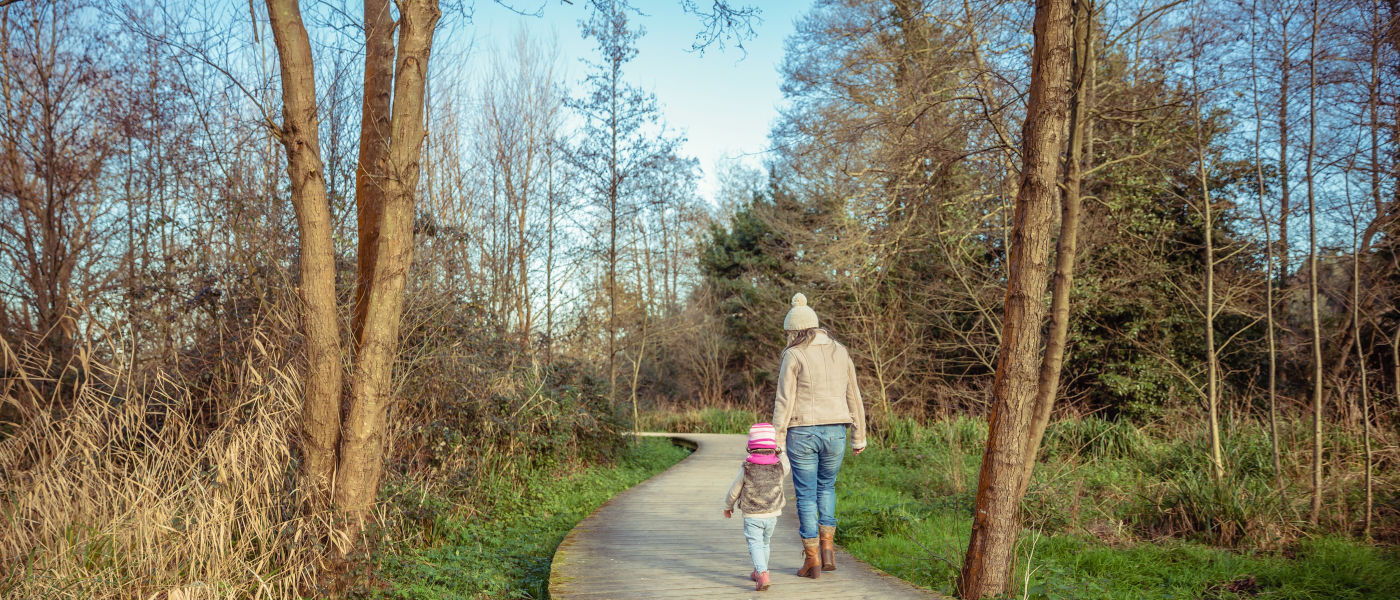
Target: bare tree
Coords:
[(358, 456), (519, 125), (55, 136), (619, 140), (1207, 210)]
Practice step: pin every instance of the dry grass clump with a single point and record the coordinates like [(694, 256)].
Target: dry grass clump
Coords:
[(110, 489)]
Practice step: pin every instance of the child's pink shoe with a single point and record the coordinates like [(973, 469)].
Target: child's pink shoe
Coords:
[(760, 580)]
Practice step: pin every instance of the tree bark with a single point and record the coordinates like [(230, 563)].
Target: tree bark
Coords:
[(988, 563), (374, 147), (362, 444), (299, 134), (549, 257), (1048, 384)]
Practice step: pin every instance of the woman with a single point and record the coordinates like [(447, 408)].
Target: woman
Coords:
[(817, 402)]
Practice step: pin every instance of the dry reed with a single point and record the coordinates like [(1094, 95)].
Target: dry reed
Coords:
[(115, 490)]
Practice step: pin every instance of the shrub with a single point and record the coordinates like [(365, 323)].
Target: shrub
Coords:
[(1238, 510), (1094, 438)]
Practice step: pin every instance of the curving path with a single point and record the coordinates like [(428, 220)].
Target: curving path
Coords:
[(666, 538)]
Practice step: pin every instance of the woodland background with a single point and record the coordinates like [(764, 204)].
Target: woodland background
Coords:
[(1236, 275)]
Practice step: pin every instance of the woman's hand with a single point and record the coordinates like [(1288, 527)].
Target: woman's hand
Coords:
[(728, 514)]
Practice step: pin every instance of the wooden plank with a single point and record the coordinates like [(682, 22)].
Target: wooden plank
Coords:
[(667, 539)]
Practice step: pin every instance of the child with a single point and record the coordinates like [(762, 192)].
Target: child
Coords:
[(758, 490)]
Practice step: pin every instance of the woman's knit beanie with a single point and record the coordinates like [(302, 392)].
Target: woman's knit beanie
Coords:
[(801, 316), (763, 435)]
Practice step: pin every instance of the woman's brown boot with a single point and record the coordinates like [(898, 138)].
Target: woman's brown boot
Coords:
[(811, 566), (827, 535)]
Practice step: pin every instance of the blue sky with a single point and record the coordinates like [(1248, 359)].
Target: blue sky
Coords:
[(724, 101)]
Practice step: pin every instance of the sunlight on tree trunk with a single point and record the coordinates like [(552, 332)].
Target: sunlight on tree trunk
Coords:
[(362, 443), (1048, 382), (988, 563), (300, 135), (374, 147)]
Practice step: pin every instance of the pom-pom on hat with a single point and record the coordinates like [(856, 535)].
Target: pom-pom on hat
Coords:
[(801, 316), (763, 435)]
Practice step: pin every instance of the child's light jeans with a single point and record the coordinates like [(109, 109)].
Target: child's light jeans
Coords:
[(759, 532)]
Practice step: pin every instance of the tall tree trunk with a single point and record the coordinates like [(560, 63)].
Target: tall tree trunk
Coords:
[(1269, 256), (524, 315), (1373, 106), (613, 125), (1365, 390), (362, 444), (1048, 384), (299, 134), (1316, 509), (549, 260), (1212, 353), (988, 563), (374, 148)]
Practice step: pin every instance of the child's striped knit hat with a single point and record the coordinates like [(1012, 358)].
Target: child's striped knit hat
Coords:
[(763, 435)]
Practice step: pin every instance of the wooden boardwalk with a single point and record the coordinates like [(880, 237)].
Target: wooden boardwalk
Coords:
[(666, 538)]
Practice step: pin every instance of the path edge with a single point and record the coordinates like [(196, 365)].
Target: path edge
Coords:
[(557, 579)]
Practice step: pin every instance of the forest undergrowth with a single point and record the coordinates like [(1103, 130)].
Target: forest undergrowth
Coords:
[(1119, 511), (121, 483)]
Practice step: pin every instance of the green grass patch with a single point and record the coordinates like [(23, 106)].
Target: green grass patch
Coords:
[(1114, 512), (505, 551)]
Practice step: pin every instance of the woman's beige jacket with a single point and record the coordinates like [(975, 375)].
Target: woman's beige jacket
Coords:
[(817, 386)]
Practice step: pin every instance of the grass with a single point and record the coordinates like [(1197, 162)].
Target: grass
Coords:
[(504, 550), (701, 420), (1113, 513)]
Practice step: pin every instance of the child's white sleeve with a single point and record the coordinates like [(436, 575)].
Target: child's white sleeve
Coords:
[(734, 490)]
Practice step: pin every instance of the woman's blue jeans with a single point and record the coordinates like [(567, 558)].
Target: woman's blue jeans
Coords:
[(815, 452)]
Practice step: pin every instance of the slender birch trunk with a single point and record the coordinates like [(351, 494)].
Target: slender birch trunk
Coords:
[(1285, 69), (1212, 355), (1373, 105), (1365, 390)]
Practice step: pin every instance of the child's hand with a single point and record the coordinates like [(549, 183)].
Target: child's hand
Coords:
[(728, 514)]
